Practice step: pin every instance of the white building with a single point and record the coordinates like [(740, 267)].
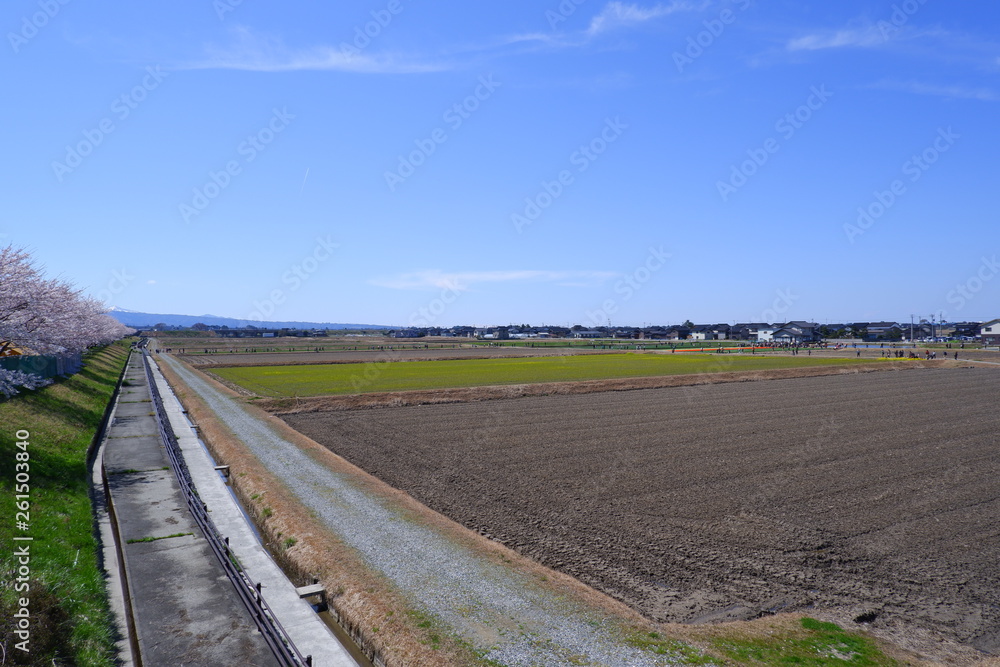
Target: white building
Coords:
[(991, 332)]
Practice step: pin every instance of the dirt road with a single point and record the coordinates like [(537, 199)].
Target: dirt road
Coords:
[(873, 494)]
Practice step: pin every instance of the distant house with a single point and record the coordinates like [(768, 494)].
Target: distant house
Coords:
[(884, 331), (807, 331), (764, 333), (588, 334), (990, 332), (710, 332), (701, 332), (968, 329), (677, 333), (791, 332), (409, 333), (722, 331), (914, 331), (746, 330), (789, 335), (493, 333), (832, 331)]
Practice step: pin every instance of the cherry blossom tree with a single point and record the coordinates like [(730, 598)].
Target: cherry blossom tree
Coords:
[(11, 381), (45, 316)]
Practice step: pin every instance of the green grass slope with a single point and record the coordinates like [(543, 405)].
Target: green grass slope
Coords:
[(70, 621)]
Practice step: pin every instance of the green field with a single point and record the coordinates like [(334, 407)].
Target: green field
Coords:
[(326, 379)]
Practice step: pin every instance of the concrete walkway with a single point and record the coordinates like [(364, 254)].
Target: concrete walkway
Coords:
[(307, 630), (184, 607)]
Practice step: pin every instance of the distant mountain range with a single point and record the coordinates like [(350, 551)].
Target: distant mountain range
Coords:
[(142, 320)]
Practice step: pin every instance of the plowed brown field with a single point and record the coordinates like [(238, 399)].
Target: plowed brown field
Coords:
[(873, 494)]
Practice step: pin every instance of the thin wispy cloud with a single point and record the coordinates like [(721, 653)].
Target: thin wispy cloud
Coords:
[(948, 91), (622, 15), (464, 281), (250, 51), (912, 41), (854, 38), (529, 37), (613, 16)]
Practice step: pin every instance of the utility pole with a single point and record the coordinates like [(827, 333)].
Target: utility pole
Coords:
[(911, 327)]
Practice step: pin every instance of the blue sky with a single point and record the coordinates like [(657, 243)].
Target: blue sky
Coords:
[(397, 162)]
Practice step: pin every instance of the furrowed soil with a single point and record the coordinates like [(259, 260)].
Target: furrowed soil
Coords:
[(868, 496)]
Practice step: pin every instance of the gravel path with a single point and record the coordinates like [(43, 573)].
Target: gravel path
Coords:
[(497, 609)]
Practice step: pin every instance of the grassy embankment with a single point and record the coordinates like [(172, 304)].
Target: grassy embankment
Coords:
[(70, 620), (327, 379), (786, 641)]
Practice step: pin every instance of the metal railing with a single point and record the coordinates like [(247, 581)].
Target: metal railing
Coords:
[(270, 628)]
